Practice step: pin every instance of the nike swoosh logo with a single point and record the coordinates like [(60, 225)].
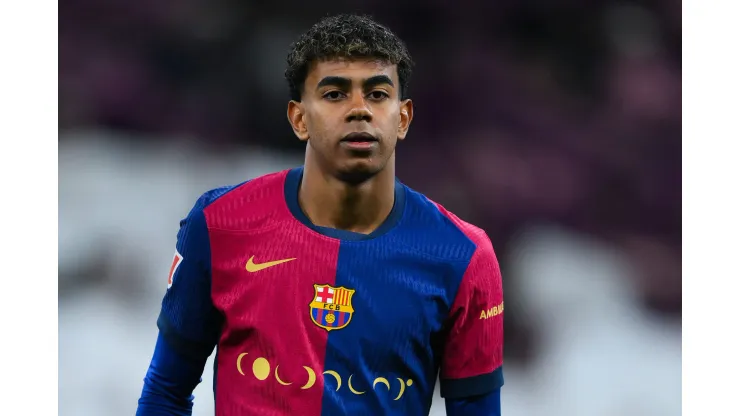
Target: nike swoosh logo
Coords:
[(255, 267)]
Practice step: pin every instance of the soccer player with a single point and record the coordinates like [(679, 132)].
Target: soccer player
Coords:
[(332, 288)]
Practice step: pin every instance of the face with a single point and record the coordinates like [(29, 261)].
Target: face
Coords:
[(351, 116)]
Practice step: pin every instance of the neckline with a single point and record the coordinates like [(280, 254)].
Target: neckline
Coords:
[(292, 185)]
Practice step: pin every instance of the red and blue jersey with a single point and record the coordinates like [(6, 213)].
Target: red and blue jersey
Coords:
[(316, 321)]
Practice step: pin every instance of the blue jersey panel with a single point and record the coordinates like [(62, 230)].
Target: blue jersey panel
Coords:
[(404, 284)]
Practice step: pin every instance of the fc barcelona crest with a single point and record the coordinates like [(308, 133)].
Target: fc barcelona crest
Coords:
[(331, 307)]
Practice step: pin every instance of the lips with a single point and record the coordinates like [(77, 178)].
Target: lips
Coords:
[(359, 138)]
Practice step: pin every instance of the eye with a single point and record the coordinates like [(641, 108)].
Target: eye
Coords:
[(378, 95), (334, 95)]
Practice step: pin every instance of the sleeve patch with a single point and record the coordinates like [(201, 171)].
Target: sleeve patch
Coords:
[(176, 260)]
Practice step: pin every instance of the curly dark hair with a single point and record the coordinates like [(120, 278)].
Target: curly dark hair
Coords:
[(346, 36)]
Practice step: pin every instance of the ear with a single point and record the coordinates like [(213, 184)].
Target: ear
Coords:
[(407, 114), (296, 117)]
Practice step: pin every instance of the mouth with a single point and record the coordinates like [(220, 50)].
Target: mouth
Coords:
[(359, 138), (359, 142)]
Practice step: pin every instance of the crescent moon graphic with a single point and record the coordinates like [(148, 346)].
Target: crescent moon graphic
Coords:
[(403, 388), (349, 384), (336, 376), (239, 362), (381, 380), (311, 378), (277, 377)]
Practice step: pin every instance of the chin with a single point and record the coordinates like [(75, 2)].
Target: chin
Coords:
[(358, 172)]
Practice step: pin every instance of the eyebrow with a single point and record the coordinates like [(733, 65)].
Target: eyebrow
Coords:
[(345, 83)]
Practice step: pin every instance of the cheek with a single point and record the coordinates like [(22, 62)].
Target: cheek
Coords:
[(394, 114), (318, 126), (312, 121), (393, 121)]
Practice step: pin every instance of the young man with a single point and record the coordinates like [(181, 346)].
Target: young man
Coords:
[(332, 288)]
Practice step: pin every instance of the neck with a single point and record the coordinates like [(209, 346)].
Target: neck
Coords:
[(330, 202)]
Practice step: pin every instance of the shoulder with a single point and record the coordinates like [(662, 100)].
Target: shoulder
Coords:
[(475, 234), (234, 206), (212, 195), (246, 189), (443, 229)]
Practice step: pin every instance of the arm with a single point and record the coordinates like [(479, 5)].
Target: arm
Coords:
[(169, 382), (471, 373), (189, 324)]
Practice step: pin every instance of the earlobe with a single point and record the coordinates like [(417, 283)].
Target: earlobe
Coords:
[(297, 120)]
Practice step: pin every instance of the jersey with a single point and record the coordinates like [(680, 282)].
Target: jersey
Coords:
[(316, 321)]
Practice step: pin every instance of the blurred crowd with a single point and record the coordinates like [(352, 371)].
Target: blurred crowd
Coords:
[(528, 113), (561, 110)]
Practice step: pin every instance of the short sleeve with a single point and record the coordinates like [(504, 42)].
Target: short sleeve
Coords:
[(188, 320), (473, 354)]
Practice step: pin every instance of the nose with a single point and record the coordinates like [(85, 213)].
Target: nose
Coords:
[(359, 110)]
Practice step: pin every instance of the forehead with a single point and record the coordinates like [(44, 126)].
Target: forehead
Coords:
[(354, 69)]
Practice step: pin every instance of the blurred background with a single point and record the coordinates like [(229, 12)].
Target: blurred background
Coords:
[(554, 125)]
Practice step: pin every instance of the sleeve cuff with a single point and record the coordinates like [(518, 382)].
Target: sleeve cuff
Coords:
[(472, 386)]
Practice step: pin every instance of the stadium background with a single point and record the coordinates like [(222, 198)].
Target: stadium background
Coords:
[(555, 125)]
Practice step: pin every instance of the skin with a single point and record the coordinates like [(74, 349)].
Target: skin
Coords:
[(349, 186)]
